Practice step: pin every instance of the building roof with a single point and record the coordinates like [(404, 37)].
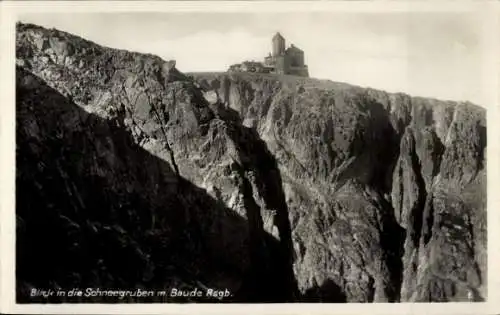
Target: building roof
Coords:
[(278, 36), (293, 47), (254, 63)]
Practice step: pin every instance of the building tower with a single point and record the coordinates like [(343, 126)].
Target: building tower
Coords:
[(278, 45)]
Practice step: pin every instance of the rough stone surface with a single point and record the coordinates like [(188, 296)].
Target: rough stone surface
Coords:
[(277, 187)]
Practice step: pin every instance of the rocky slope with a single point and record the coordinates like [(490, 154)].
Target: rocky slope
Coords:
[(278, 188)]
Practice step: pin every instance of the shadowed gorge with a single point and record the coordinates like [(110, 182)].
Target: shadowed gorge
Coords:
[(131, 174), (165, 236)]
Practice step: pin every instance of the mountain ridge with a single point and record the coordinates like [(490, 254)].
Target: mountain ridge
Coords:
[(217, 73), (328, 82)]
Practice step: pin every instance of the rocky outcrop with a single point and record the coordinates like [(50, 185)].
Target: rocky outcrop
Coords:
[(277, 187)]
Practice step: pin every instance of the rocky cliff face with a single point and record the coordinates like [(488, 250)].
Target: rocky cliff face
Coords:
[(278, 188)]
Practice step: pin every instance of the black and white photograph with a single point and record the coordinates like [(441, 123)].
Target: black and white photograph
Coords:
[(250, 156)]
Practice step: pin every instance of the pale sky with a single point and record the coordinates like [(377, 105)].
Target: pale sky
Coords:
[(422, 54)]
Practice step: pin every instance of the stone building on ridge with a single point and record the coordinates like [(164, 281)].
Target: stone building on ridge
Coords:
[(281, 60)]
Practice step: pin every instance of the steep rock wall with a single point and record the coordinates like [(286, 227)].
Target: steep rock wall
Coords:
[(365, 172)]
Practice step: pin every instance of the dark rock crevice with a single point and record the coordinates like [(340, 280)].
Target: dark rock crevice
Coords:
[(428, 220), (415, 219), (392, 243), (264, 172)]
